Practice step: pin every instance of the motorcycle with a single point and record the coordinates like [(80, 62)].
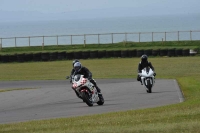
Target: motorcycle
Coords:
[(86, 91), (147, 78)]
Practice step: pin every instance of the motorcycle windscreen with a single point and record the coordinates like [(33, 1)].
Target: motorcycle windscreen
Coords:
[(77, 77), (146, 72)]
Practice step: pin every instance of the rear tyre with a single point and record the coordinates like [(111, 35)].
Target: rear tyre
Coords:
[(87, 98)]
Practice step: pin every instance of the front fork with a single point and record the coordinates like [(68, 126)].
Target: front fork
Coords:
[(144, 81)]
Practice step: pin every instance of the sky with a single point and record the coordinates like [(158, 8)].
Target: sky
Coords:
[(54, 6), (40, 9)]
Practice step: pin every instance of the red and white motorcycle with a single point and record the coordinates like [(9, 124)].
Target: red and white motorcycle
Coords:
[(147, 78), (86, 90)]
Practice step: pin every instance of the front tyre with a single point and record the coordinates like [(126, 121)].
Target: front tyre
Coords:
[(149, 86), (87, 99), (78, 95)]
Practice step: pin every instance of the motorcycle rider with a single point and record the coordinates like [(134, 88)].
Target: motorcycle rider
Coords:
[(79, 69), (142, 64)]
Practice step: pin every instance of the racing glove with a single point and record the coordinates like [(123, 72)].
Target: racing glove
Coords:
[(154, 74)]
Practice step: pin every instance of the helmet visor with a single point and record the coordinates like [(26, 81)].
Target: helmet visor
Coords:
[(144, 59), (76, 68)]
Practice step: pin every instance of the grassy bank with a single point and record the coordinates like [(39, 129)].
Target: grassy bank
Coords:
[(183, 117), (121, 45)]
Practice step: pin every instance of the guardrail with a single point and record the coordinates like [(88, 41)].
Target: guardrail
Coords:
[(99, 38)]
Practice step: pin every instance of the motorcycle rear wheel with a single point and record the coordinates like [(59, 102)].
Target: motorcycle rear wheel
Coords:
[(87, 99)]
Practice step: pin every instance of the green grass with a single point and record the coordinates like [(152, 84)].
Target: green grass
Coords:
[(128, 45), (177, 118)]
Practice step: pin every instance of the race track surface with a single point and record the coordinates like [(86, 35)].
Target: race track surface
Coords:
[(55, 98)]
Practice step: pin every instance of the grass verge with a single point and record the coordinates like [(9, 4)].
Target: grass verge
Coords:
[(183, 117), (121, 45)]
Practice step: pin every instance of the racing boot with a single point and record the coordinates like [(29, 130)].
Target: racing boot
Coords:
[(141, 82), (139, 79), (99, 92), (95, 85)]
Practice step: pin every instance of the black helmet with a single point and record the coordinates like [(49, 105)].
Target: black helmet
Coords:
[(74, 61), (77, 66), (144, 58)]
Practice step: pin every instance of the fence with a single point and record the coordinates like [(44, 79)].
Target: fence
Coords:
[(99, 38)]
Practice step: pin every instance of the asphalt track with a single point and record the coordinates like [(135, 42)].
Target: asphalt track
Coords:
[(55, 98)]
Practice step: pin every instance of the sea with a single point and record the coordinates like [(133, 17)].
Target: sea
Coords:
[(100, 30)]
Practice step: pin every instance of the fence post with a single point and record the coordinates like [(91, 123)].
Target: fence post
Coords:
[(112, 37), (84, 40), (178, 35), (165, 37), (57, 40), (190, 35), (125, 37), (42, 42), (71, 39), (152, 36), (98, 39), (139, 37), (29, 41), (15, 42), (0, 44)]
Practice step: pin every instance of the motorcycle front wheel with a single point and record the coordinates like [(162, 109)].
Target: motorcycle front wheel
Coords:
[(87, 99), (149, 86)]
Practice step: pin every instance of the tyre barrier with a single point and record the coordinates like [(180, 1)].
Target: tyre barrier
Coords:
[(178, 52), (77, 54), (21, 57), (12, 58), (185, 52), (117, 53), (140, 52), (28, 57), (124, 53), (155, 52), (101, 53), (109, 53), (61, 55), (94, 54), (132, 53), (148, 52), (69, 55), (45, 56), (171, 52), (85, 54), (163, 52), (4, 58), (52, 56), (36, 56)]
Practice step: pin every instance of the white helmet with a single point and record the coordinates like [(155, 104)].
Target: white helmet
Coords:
[(77, 66)]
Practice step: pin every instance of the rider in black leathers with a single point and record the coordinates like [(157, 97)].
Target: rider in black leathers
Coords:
[(144, 63), (79, 69)]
